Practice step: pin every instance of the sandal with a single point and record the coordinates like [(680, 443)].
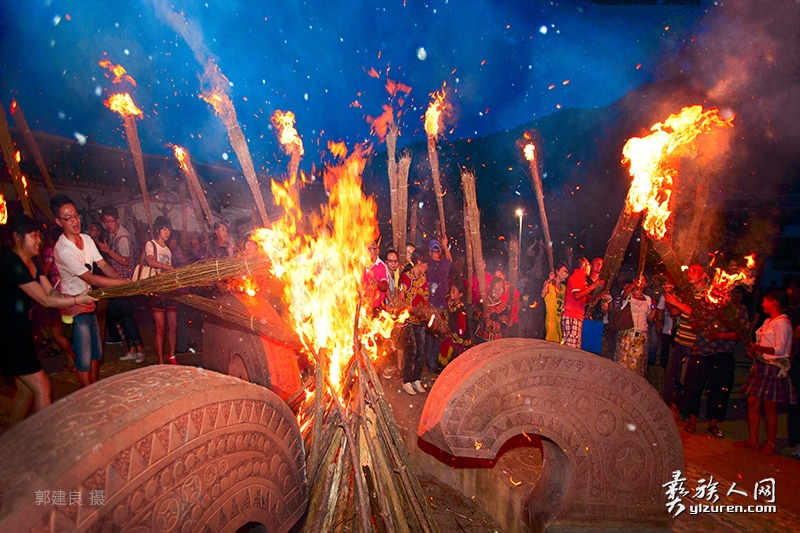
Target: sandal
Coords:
[(690, 427), (714, 430), (767, 449), (746, 444)]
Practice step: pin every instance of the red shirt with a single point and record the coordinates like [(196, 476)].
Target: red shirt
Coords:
[(573, 307)]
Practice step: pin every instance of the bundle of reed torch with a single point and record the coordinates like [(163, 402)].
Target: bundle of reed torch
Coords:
[(474, 234), (197, 274), (216, 95), (122, 103), (536, 181), (195, 190), (433, 119)]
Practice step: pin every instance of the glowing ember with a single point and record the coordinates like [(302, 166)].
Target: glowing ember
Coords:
[(530, 152), (323, 269), (724, 282), (120, 74), (433, 116), (122, 103), (248, 286), (649, 160), (3, 210), (287, 134)]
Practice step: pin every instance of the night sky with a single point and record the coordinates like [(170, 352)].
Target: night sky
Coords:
[(505, 63)]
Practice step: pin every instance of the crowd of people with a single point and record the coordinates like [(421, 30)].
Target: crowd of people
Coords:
[(636, 321), (47, 273)]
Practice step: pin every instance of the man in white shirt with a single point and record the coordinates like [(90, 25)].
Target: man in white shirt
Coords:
[(74, 255)]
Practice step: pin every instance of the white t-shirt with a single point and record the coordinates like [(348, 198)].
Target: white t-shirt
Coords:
[(162, 253), (72, 262), (777, 333), (639, 311)]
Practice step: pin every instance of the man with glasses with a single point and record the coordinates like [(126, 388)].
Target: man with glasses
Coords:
[(74, 255), (120, 310)]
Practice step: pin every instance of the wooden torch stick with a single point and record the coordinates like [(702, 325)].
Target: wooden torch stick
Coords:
[(536, 181), (468, 184), (7, 147), (433, 157)]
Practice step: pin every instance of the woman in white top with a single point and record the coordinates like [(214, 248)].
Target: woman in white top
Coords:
[(632, 343), (768, 382), (159, 256)]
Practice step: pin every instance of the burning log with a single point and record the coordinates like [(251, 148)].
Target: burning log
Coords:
[(536, 181), (197, 274), (468, 185), (673, 266), (19, 118), (433, 120), (122, 103), (217, 95), (195, 190), (718, 296)]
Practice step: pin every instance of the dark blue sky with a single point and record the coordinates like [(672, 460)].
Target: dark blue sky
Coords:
[(312, 57)]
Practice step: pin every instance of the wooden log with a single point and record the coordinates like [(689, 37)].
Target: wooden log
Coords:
[(689, 241), (469, 252), (394, 198), (673, 267), (615, 250), (19, 119), (642, 255), (195, 188)]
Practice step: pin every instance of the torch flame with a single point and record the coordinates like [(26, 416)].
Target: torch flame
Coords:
[(287, 134), (530, 152), (3, 210), (180, 155), (122, 103), (322, 264), (724, 282), (119, 72), (649, 162), (433, 116), (17, 157)]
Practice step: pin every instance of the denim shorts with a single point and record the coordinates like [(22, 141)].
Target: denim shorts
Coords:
[(86, 341)]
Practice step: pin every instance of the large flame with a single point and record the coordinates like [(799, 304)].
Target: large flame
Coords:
[(724, 282), (287, 134), (321, 259), (122, 103), (3, 210), (433, 116), (649, 161), (120, 74)]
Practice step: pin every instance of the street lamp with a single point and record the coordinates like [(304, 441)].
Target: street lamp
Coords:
[(519, 214)]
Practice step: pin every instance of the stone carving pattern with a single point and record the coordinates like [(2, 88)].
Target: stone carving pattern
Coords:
[(205, 468), (621, 455)]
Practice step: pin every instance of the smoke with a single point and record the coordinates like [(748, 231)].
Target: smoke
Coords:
[(744, 60), (188, 29)]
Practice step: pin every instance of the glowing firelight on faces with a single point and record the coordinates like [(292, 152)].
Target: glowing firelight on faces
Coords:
[(122, 103), (649, 159), (321, 258)]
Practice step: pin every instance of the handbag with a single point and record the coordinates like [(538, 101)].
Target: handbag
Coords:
[(143, 270), (620, 319)]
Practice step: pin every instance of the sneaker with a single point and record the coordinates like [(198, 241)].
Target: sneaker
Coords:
[(113, 343), (388, 372), (409, 389), (171, 360), (128, 356), (139, 357), (418, 387)]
